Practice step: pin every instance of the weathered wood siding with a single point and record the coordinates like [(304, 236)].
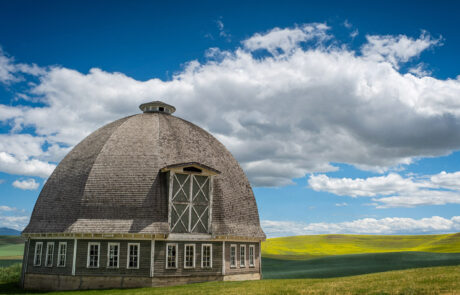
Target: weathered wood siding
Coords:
[(42, 269), (82, 256), (160, 260), (238, 269)]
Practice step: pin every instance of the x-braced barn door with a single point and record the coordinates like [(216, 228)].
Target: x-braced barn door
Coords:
[(190, 203)]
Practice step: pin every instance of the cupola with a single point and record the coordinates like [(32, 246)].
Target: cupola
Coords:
[(157, 107)]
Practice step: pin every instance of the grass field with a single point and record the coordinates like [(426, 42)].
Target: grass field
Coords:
[(355, 264), (435, 280), (307, 247), (11, 250), (11, 247)]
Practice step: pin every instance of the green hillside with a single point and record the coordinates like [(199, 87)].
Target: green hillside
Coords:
[(354, 264), (11, 247), (307, 247)]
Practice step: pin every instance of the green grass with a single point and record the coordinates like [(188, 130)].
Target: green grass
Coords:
[(434, 280), (11, 247), (355, 264), (307, 247)]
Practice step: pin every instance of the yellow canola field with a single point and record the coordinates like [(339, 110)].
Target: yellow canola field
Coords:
[(304, 247)]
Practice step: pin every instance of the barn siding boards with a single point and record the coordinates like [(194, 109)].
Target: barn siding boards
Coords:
[(241, 270), (42, 269), (160, 260), (82, 256)]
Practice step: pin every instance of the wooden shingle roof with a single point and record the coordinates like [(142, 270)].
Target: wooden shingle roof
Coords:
[(110, 182)]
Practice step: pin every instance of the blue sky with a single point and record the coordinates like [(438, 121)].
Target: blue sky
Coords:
[(343, 115)]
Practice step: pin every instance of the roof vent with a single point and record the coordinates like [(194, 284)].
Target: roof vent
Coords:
[(157, 107)]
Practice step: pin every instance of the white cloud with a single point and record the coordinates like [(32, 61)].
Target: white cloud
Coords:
[(7, 208), (439, 189), (14, 222), (27, 184), (358, 187), (10, 71), (341, 204), (305, 105), (396, 49), (287, 39), (31, 167), (389, 225)]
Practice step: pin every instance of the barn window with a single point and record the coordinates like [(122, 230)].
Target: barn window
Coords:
[(242, 255), (62, 254), (94, 250), (251, 255), (171, 255), (113, 254), (38, 253), (133, 255), (190, 203), (233, 256), (49, 254), (189, 252), (206, 256)]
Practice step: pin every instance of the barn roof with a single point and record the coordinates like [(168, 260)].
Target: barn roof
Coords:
[(110, 182)]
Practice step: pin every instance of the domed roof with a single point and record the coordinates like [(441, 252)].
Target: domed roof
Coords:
[(110, 182)]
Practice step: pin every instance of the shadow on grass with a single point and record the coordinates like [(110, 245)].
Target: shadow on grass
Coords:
[(348, 265), (11, 288)]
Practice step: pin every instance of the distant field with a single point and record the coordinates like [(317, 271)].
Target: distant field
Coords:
[(307, 247), (434, 280), (11, 248), (355, 264)]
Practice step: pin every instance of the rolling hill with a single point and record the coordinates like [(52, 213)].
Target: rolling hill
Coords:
[(308, 247), (5, 231), (11, 250)]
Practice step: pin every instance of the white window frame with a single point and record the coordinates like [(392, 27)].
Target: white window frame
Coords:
[(193, 256), (60, 255), (48, 244), (138, 256), (233, 246), (253, 247), (243, 256), (98, 244), (167, 256), (39, 255), (202, 257), (118, 255)]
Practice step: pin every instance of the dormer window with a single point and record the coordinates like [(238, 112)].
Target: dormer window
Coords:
[(190, 197)]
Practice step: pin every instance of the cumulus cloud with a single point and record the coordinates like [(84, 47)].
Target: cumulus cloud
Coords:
[(10, 71), (286, 40), (308, 102), (439, 189), (396, 49), (27, 184), (14, 222), (389, 225), (7, 208)]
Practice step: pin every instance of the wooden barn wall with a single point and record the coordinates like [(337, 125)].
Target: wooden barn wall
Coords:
[(42, 269), (82, 256), (160, 259), (238, 269)]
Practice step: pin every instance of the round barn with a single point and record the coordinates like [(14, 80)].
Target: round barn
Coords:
[(147, 200)]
